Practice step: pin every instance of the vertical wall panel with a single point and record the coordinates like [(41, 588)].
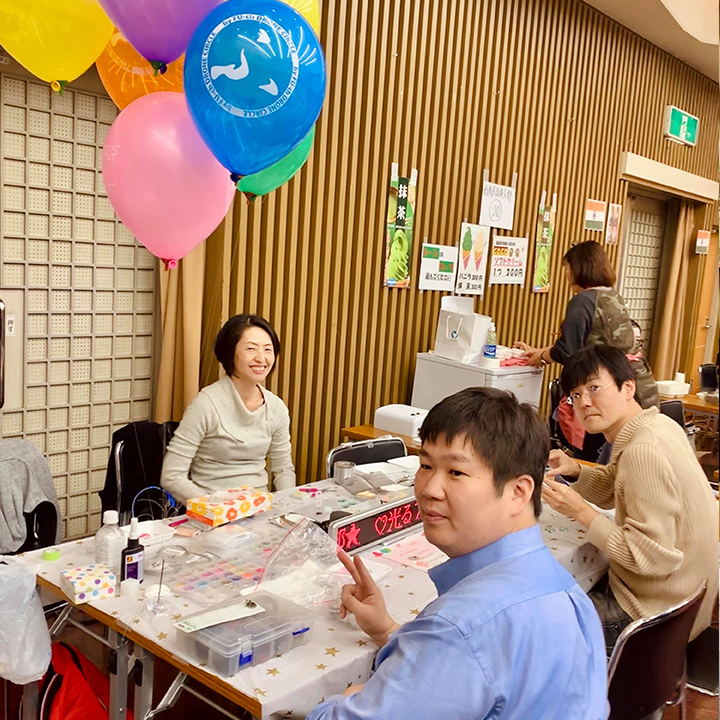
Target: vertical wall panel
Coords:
[(551, 89)]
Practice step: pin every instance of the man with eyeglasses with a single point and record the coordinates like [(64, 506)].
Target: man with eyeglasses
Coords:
[(662, 543)]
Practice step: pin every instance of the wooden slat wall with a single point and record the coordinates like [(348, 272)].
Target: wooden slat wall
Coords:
[(551, 89)]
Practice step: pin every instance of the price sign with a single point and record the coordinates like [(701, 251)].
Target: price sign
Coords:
[(508, 261), (358, 532)]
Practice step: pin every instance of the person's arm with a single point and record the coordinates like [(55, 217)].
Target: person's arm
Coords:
[(575, 328), (280, 451), (645, 543), (427, 670), (594, 484), (183, 447)]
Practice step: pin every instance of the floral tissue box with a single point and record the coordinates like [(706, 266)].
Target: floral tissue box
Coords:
[(228, 505), (89, 583)]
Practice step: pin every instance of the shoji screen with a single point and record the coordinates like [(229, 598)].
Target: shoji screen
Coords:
[(87, 290)]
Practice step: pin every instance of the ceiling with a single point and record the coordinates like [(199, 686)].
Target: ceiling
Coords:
[(687, 29)]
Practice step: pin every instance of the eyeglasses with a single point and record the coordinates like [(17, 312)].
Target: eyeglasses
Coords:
[(592, 392)]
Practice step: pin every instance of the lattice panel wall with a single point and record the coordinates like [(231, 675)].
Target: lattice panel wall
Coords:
[(642, 270), (89, 290)]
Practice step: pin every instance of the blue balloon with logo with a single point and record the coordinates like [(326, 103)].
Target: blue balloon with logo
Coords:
[(254, 81)]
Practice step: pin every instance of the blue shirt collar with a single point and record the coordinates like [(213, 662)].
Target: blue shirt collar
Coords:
[(450, 573)]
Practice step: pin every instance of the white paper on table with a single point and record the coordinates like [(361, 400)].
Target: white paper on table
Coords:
[(457, 304)]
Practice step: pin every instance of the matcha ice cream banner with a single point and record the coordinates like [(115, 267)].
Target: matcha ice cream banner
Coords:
[(399, 228)]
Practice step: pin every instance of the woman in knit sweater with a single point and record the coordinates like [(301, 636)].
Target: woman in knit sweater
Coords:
[(662, 544), (234, 426)]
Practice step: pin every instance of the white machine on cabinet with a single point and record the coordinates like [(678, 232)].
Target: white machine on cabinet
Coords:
[(436, 378)]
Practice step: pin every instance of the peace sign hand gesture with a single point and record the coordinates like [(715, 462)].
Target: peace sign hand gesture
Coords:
[(365, 601)]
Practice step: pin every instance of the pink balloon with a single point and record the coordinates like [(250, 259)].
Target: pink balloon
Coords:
[(163, 181)]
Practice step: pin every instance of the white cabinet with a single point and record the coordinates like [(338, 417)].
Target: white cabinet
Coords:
[(436, 378)]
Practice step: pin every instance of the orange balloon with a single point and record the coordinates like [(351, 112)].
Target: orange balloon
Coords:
[(127, 75)]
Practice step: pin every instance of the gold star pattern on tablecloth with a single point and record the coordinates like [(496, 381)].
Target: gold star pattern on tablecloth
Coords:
[(273, 671), (161, 636), (331, 629), (186, 605), (401, 577), (321, 666), (258, 691), (136, 621), (331, 651), (362, 643), (177, 616), (415, 612)]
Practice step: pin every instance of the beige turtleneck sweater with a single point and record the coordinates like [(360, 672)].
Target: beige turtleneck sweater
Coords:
[(220, 444), (663, 542)]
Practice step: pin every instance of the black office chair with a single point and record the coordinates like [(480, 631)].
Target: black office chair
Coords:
[(708, 377), (135, 464), (41, 526), (366, 451), (675, 410), (558, 439), (646, 672)]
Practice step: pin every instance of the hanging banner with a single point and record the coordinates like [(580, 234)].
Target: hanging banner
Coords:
[(472, 262), (508, 260), (543, 246), (595, 215), (703, 242), (399, 229), (612, 234), (437, 267), (497, 207)]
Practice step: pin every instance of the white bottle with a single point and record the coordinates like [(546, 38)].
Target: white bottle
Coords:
[(110, 541), (490, 347)]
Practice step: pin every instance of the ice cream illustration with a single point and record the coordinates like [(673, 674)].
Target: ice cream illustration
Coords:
[(479, 248), (467, 244)]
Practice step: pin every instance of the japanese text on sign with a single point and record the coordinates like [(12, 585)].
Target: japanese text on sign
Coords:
[(508, 261)]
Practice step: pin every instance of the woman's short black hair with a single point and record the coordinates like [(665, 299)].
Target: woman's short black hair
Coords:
[(587, 362), (231, 333), (509, 437), (590, 265)]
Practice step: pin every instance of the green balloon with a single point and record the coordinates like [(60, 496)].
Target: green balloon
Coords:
[(271, 178)]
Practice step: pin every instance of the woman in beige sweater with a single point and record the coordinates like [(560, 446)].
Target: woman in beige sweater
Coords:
[(234, 426), (662, 544)]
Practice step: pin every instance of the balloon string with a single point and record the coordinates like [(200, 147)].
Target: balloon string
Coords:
[(160, 67)]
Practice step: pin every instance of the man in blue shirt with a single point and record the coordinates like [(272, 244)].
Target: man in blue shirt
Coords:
[(511, 635)]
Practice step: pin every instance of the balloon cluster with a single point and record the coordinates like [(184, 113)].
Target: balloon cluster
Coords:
[(214, 95)]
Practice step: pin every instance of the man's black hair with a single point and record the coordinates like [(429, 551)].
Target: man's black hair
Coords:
[(586, 363), (507, 436)]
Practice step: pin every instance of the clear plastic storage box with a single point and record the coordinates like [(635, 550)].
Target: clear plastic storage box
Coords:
[(232, 646)]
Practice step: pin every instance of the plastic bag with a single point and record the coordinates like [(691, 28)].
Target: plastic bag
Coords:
[(24, 638), (304, 568)]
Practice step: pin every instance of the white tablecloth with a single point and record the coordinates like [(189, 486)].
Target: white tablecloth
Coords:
[(338, 654)]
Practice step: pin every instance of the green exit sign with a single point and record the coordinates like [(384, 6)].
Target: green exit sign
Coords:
[(680, 126)]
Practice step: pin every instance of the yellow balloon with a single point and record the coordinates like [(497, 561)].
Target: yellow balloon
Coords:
[(310, 10), (127, 75), (57, 40)]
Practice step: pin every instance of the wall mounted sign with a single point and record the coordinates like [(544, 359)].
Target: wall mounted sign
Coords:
[(680, 126), (437, 267), (595, 215)]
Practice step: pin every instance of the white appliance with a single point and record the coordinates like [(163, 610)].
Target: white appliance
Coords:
[(400, 419), (437, 377)]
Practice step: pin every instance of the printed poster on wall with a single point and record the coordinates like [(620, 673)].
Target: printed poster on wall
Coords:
[(508, 260), (437, 267), (543, 248), (612, 234), (703, 242), (399, 229), (472, 260), (595, 215), (497, 207)]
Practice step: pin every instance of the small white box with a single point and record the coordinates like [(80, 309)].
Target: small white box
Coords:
[(400, 419)]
